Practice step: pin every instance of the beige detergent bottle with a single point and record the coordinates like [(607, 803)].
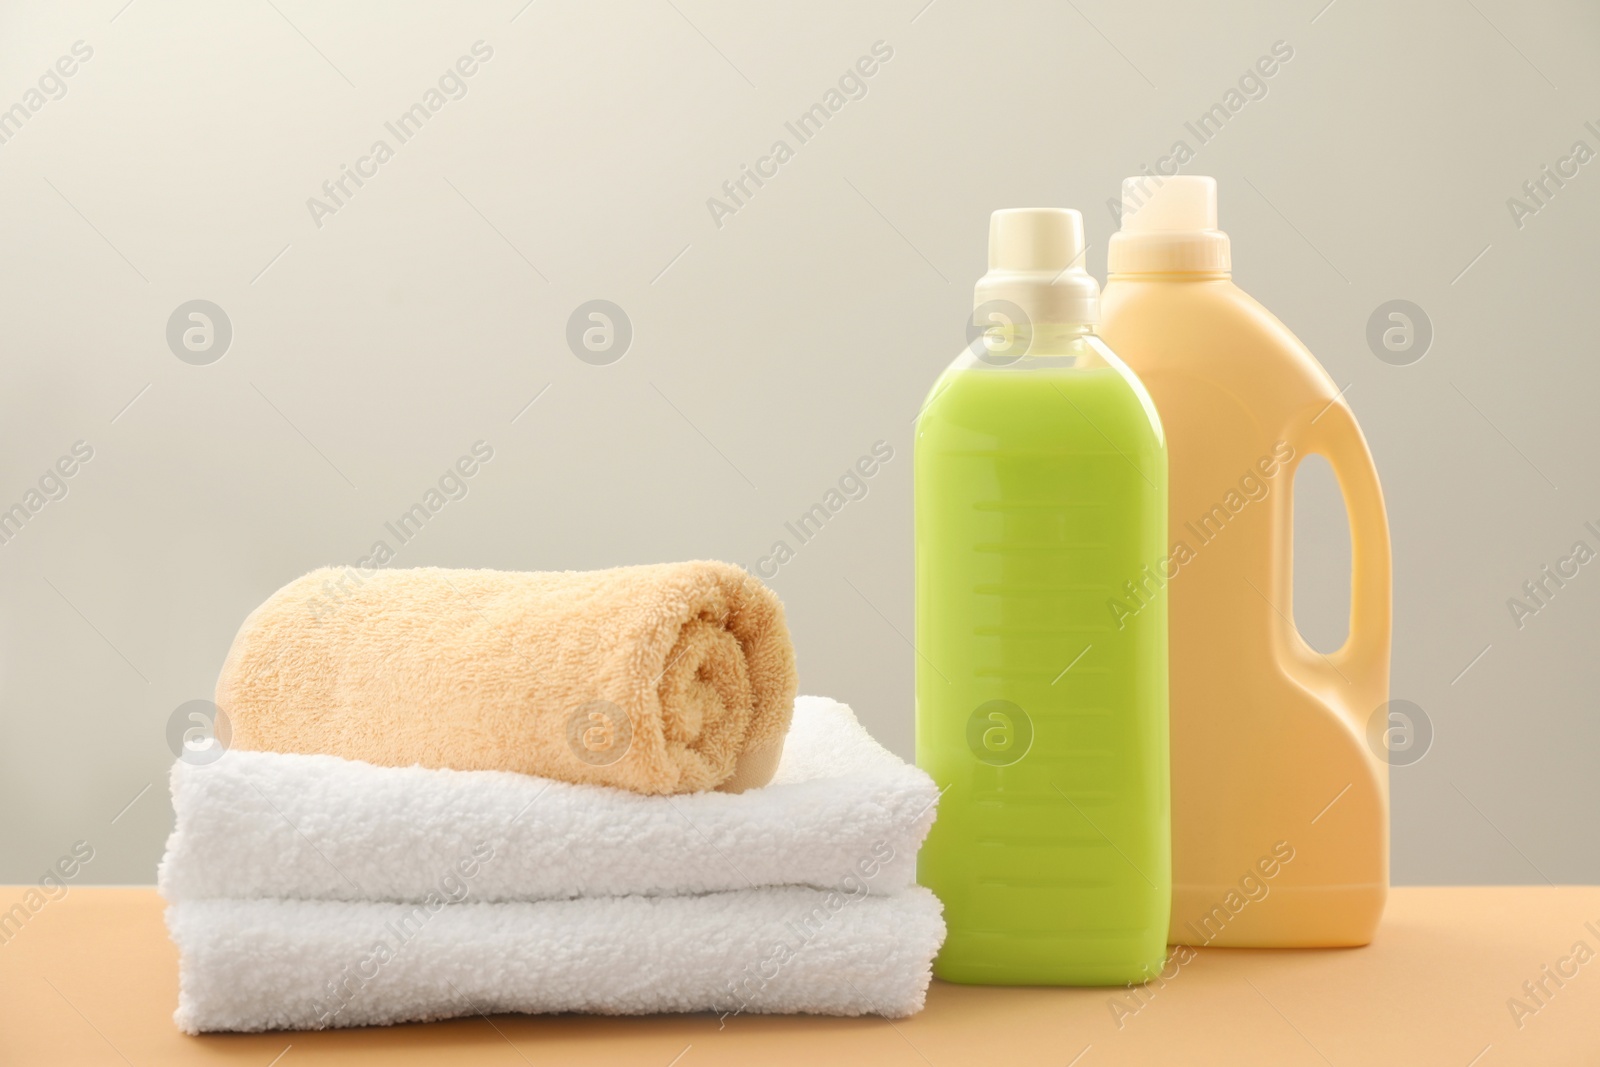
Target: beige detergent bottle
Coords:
[(1280, 806)]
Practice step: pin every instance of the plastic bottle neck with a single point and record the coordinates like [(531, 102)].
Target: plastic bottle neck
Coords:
[(1169, 276), (1010, 342), (1056, 335), (1203, 252)]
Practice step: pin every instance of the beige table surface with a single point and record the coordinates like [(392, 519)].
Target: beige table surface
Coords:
[(92, 979)]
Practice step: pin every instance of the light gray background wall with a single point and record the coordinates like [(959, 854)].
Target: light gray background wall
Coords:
[(768, 353)]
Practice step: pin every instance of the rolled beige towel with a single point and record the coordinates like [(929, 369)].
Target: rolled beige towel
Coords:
[(667, 678)]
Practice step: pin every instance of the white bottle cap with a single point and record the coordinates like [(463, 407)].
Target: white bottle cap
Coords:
[(1169, 224), (1036, 261)]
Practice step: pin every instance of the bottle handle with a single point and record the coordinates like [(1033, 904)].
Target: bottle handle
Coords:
[(1359, 665)]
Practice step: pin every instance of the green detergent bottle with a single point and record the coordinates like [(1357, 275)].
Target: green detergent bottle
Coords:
[(1041, 632)]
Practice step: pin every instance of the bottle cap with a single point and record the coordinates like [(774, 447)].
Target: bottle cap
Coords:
[(1036, 262), (1169, 224)]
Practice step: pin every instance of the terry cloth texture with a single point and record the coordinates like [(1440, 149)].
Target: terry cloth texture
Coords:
[(303, 964), (263, 824), (666, 678)]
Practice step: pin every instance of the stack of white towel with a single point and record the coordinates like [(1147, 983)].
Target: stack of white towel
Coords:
[(312, 891)]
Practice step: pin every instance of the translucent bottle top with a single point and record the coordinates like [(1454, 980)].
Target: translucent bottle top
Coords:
[(1169, 224), (1036, 264)]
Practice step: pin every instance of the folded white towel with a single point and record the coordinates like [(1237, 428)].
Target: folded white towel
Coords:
[(262, 824), (301, 964)]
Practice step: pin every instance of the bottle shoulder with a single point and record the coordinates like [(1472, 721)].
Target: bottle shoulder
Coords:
[(1211, 330), (1084, 385)]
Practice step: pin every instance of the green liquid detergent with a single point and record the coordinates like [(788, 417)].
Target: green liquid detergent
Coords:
[(1041, 634)]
